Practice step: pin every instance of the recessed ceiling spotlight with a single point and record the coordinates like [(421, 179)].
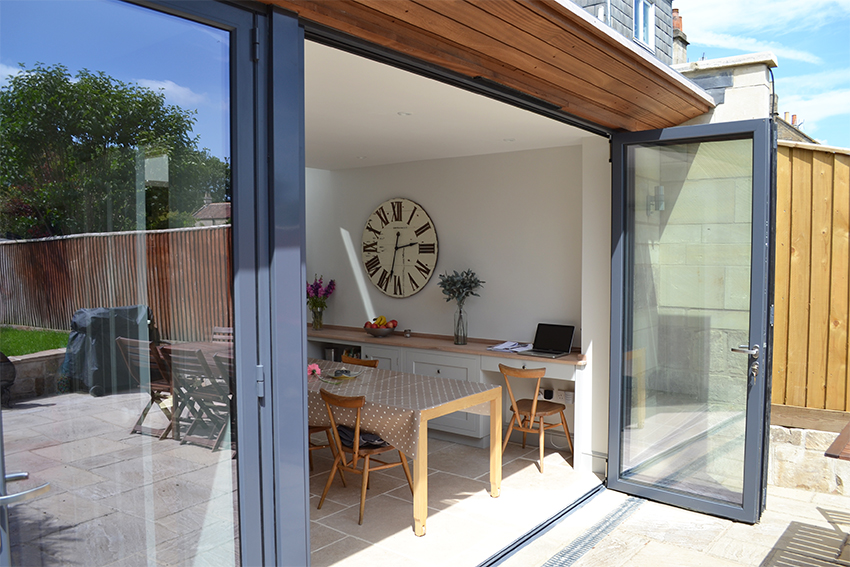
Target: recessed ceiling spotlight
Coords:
[(361, 157), (405, 114), (509, 140)]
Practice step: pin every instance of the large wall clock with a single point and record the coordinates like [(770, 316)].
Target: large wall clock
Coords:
[(399, 247)]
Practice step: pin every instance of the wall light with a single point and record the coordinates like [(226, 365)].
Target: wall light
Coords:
[(655, 202)]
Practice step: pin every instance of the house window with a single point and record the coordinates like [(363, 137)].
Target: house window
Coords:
[(644, 18)]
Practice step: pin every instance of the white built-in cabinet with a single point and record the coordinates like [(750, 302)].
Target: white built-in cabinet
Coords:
[(389, 358), (453, 367), (440, 365)]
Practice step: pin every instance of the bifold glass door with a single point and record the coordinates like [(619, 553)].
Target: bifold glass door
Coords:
[(119, 184), (689, 324)]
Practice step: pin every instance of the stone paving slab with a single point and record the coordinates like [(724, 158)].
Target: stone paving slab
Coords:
[(798, 528)]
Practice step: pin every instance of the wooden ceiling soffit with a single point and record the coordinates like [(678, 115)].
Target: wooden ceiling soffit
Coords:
[(537, 47)]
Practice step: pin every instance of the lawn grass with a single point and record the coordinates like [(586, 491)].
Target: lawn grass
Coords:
[(15, 342)]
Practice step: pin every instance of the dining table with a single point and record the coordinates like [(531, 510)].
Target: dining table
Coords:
[(398, 407)]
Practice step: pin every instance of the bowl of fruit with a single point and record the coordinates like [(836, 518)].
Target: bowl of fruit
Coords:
[(380, 326)]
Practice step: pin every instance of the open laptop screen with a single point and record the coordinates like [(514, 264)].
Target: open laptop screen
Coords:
[(554, 337)]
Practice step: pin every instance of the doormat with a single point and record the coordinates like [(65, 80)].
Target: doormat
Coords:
[(574, 551)]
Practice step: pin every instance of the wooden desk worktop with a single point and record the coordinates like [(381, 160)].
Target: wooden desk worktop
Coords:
[(443, 343)]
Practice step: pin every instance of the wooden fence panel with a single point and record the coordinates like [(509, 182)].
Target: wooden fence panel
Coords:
[(821, 248), (782, 271), (183, 275), (799, 277), (812, 269)]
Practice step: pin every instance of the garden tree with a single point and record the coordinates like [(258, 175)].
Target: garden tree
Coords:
[(69, 149)]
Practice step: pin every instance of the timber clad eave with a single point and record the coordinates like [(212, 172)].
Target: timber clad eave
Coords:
[(551, 51)]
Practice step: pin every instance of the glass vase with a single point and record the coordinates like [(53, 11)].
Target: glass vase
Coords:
[(460, 326), (317, 318)]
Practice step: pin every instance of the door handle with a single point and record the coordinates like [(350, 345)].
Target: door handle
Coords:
[(26, 494), (744, 349)]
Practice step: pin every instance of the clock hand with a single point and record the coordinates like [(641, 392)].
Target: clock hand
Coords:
[(392, 267), (406, 245)]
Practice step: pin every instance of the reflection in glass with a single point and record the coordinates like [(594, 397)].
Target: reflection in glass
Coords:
[(115, 219), (687, 299)]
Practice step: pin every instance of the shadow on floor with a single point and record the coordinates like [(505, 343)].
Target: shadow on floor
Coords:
[(806, 545)]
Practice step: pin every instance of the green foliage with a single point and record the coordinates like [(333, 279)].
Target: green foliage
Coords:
[(16, 342), (459, 286), (70, 150)]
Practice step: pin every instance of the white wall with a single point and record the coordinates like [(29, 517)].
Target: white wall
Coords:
[(514, 218), (591, 416), (749, 94)]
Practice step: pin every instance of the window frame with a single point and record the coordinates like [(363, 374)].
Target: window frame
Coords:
[(643, 28)]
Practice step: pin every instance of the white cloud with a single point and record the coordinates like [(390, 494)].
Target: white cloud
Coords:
[(758, 16), (815, 108), (753, 45), (813, 82), (758, 25), (175, 93), (5, 71)]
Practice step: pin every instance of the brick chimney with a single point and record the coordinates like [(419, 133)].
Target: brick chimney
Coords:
[(680, 40), (677, 20)]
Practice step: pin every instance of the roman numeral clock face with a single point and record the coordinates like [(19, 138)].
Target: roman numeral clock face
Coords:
[(399, 247)]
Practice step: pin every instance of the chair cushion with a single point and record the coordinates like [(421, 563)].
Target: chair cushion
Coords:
[(367, 440), (544, 407)]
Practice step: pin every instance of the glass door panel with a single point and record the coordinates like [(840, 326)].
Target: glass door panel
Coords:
[(687, 423), (689, 295), (115, 192)]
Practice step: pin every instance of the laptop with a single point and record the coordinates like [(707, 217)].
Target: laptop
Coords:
[(552, 341)]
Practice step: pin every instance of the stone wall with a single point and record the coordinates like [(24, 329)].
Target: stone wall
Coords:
[(37, 374), (797, 461)]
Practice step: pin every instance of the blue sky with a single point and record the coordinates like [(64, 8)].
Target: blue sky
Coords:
[(811, 40), (187, 61)]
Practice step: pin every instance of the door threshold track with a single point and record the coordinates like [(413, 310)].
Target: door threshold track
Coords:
[(509, 550), (591, 538)]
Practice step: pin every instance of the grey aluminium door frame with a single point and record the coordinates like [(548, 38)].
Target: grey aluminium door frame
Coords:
[(761, 131), (248, 92), (269, 273)]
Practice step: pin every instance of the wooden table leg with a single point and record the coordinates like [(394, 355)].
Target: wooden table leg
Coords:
[(496, 444), (420, 482)]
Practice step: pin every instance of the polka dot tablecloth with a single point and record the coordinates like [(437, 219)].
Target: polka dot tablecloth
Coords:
[(394, 401)]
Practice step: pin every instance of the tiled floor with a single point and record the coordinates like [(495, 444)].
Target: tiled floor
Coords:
[(465, 525)]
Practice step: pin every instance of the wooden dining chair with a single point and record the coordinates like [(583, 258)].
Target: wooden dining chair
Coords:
[(313, 446), (222, 335), (203, 393), (226, 366), (527, 410), (359, 361), (151, 373), (357, 451)]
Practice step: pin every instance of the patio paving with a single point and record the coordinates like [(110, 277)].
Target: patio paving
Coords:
[(798, 528), (116, 498)]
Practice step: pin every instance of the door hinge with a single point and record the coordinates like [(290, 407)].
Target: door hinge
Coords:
[(255, 44), (261, 382), (771, 314)]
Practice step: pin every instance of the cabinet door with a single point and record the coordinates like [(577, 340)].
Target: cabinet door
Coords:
[(452, 367), (389, 358)]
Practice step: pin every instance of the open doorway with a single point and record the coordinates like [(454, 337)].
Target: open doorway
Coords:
[(503, 187)]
